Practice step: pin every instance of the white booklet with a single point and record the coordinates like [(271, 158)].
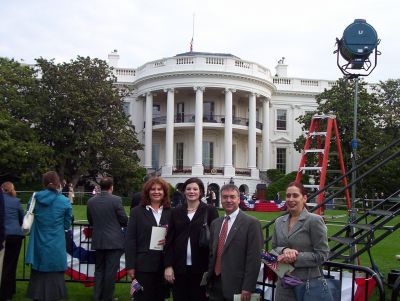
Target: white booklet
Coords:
[(157, 234), (254, 297)]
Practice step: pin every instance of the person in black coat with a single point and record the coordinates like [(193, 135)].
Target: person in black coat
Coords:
[(185, 261), (143, 263)]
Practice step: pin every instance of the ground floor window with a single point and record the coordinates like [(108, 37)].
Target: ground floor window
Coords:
[(179, 155), (281, 159), (155, 155), (208, 154)]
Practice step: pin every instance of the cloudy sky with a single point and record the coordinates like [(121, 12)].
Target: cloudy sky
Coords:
[(261, 31)]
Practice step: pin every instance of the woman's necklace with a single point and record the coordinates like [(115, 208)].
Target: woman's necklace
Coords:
[(191, 210)]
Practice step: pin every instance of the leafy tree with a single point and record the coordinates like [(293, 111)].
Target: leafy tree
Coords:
[(82, 119), (23, 158), (376, 127)]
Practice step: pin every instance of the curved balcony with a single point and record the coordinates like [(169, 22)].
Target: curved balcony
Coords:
[(206, 62), (210, 118)]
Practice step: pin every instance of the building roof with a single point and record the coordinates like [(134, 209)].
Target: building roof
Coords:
[(193, 53)]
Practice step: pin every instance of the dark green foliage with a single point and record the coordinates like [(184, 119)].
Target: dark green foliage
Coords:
[(279, 185), (274, 174)]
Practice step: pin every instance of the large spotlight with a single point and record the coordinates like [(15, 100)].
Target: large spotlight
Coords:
[(359, 41)]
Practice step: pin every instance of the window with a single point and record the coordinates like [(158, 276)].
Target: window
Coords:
[(281, 116), (233, 111), (156, 111), (155, 155), (180, 112), (257, 165), (179, 155), (208, 154), (125, 108), (234, 155), (281, 160), (208, 111)]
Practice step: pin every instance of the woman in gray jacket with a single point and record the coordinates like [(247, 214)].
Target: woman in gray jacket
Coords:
[(300, 238)]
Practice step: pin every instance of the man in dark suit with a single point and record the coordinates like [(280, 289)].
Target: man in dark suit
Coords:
[(106, 215), (235, 255)]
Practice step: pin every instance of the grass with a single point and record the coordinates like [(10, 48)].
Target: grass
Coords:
[(383, 254)]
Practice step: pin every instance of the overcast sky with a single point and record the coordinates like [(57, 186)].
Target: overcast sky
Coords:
[(261, 31)]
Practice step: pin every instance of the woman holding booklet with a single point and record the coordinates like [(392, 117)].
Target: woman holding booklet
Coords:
[(185, 260), (147, 222)]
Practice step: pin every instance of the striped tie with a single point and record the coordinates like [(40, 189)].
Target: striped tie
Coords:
[(221, 242)]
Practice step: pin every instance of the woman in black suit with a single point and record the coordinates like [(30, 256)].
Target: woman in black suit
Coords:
[(142, 263), (185, 261)]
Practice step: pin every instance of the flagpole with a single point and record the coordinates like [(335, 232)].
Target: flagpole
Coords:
[(191, 42)]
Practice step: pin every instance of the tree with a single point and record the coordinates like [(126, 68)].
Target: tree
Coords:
[(377, 117), (82, 119), (23, 158)]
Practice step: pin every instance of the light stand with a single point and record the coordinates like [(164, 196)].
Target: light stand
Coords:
[(358, 42)]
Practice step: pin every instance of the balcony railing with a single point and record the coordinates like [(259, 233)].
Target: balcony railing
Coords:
[(209, 118), (181, 170), (242, 172), (213, 170)]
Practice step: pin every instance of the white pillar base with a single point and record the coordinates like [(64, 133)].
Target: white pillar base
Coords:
[(255, 173), (166, 171), (229, 171), (197, 170)]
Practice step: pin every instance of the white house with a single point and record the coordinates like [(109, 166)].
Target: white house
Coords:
[(216, 116)]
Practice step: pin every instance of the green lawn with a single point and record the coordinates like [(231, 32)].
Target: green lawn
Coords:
[(383, 254)]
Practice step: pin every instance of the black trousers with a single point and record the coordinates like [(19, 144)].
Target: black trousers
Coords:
[(153, 286), (107, 264), (187, 287), (11, 254)]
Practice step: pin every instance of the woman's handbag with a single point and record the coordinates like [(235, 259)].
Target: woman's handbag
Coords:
[(318, 289), (29, 217), (204, 237)]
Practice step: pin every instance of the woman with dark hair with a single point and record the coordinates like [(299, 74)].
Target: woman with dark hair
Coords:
[(300, 238), (13, 216), (143, 263), (185, 261), (46, 251)]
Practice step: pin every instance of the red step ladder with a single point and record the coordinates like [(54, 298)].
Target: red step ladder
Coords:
[(317, 148)]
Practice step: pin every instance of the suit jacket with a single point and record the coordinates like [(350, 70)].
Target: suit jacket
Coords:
[(179, 231), (308, 236), (107, 215), (241, 256), (137, 253)]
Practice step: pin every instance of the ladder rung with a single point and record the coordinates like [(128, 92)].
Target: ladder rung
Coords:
[(311, 168), (380, 212), (317, 134), (324, 116), (343, 240), (316, 150), (367, 227), (311, 186)]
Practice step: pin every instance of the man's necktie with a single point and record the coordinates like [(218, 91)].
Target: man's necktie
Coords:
[(221, 242)]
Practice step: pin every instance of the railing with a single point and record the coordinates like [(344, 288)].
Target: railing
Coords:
[(181, 170), (213, 170), (242, 172), (207, 118), (356, 282)]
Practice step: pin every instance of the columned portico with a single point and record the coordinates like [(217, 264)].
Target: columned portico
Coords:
[(252, 146), (265, 135), (169, 134), (148, 133), (229, 170), (197, 168)]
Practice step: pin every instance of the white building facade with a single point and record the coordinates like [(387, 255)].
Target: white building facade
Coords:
[(216, 117)]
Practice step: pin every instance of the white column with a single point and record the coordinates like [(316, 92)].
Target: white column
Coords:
[(228, 167), (148, 133), (265, 136), (169, 134), (197, 168), (252, 142)]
